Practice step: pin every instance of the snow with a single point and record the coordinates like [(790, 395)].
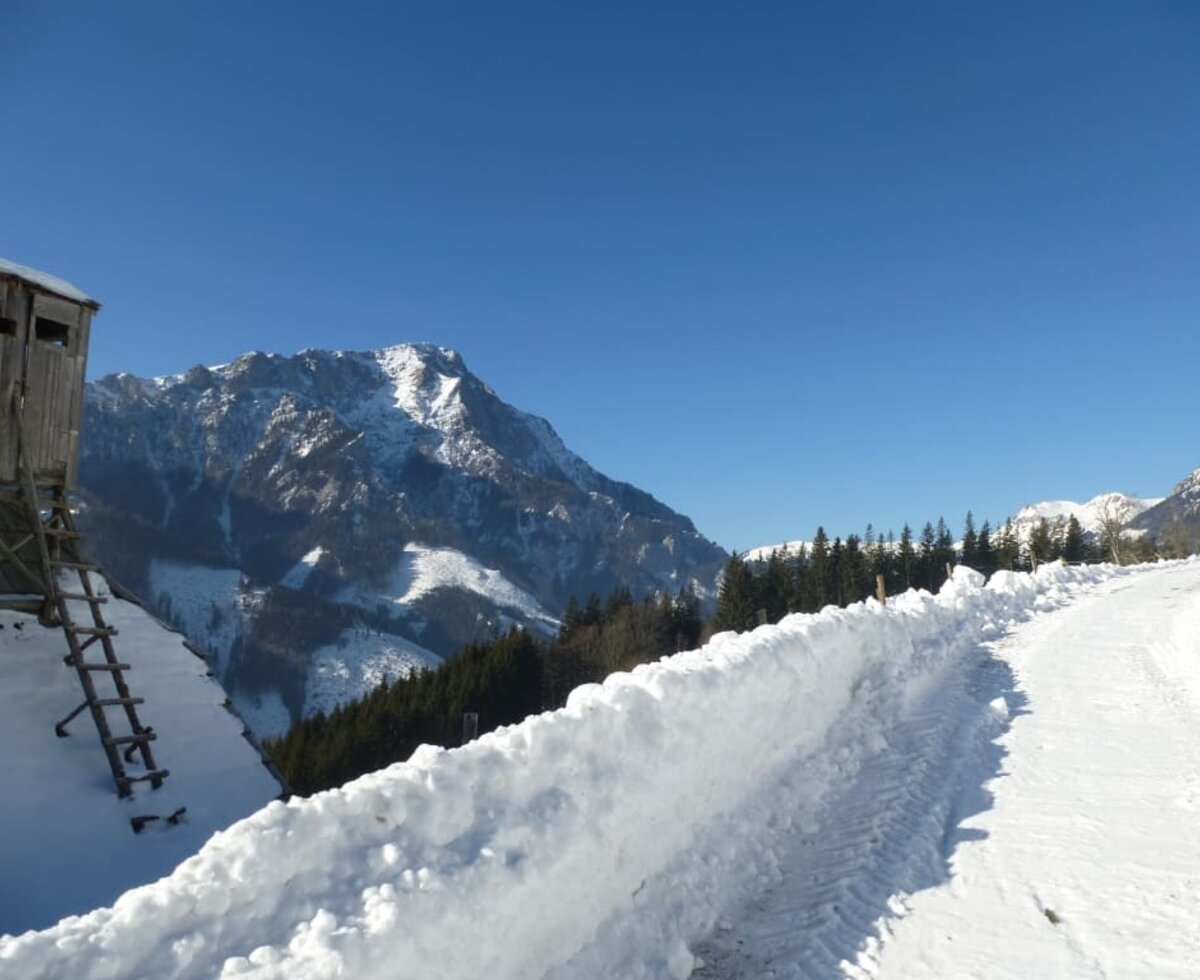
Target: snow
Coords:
[(265, 713), (358, 663), (204, 602), (657, 811), (52, 284), (423, 570), (1090, 514), (298, 574), (764, 552), (1084, 863), (66, 844)]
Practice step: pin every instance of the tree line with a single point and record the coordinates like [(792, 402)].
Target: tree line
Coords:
[(506, 678), (500, 681), (824, 572)]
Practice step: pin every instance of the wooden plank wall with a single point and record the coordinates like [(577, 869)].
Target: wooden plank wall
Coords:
[(54, 378), (12, 356)]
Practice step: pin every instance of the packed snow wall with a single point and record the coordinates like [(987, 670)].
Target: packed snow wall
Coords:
[(512, 856)]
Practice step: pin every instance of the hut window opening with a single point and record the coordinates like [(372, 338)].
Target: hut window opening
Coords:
[(8, 327), (52, 332)]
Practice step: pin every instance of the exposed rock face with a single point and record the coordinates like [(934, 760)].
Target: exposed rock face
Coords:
[(275, 505), (1175, 521)]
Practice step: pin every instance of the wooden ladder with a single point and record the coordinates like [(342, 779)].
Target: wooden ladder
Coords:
[(57, 544)]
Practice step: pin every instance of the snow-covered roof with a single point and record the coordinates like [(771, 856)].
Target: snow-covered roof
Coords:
[(43, 280), (66, 842)]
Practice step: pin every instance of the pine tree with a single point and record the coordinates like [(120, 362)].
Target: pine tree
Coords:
[(1008, 548), (1074, 546), (836, 553), (1040, 543), (907, 557), (572, 618), (943, 552), (736, 604), (775, 587), (816, 582), (970, 543), (985, 550), (853, 571), (926, 558)]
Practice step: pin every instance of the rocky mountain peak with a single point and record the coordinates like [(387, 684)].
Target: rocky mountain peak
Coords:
[(393, 482)]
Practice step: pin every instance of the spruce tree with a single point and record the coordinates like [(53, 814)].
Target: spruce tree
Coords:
[(985, 550), (1040, 543), (970, 543), (907, 557), (1074, 546), (834, 587), (816, 581), (943, 551), (926, 559), (853, 571), (736, 601), (1008, 548)]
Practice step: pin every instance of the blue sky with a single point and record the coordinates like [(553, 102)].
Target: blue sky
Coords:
[(778, 264)]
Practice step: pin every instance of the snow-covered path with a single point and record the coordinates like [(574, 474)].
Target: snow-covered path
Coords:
[(1061, 843)]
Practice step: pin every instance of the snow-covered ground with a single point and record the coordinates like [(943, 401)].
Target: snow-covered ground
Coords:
[(423, 570), (359, 662), (66, 843), (1050, 835), (205, 602), (820, 797)]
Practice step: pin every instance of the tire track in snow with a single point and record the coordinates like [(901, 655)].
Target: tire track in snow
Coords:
[(890, 832)]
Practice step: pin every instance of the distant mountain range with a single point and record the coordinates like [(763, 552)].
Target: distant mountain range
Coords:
[(324, 520), (1179, 513)]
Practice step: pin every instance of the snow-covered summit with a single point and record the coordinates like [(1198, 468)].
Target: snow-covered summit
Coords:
[(324, 473), (1090, 514)]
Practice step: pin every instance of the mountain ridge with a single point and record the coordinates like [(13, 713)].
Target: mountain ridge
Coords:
[(363, 467)]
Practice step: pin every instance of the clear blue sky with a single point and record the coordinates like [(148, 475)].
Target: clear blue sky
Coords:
[(778, 264)]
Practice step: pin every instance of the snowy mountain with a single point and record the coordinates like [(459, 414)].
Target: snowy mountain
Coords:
[(1090, 514), (322, 520), (66, 841), (1175, 520), (917, 789)]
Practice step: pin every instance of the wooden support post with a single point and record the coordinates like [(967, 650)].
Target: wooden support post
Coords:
[(881, 590), (470, 729)]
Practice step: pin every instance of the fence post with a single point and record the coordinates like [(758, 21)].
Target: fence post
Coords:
[(470, 727), (881, 590)]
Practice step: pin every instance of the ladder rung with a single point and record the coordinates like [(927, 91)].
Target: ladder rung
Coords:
[(80, 597), (61, 532), (82, 566), (105, 667), (92, 630), (131, 739), (155, 776), (114, 702)]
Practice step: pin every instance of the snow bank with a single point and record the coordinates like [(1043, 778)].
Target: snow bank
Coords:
[(509, 857)]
